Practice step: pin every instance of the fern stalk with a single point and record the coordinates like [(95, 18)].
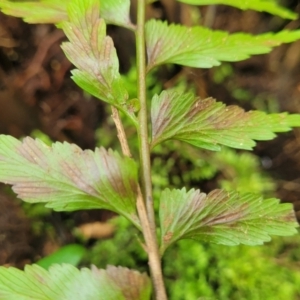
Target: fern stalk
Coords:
[(150, 235)]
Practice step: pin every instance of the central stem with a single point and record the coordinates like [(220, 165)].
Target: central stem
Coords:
[(143, 116), (150, 233)]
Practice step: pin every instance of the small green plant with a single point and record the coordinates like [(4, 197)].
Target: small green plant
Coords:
[(67, 178)]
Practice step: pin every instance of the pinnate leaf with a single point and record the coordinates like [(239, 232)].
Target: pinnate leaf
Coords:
[(68, 178), (43, 11), (201, 47), (93, 53), (67, 282), (222, 217), (116, 12), (271, 7), (55, 11), (209, 124), (133, 284)]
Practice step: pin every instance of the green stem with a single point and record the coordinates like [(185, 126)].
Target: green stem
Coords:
[(150, 236), (143, 116)]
